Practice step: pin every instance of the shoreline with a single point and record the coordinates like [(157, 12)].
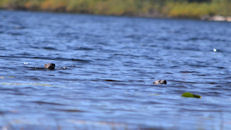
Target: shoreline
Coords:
[(203, 10), (216, 18)]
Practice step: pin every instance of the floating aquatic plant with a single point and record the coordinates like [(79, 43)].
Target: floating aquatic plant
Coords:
[(190, 95)]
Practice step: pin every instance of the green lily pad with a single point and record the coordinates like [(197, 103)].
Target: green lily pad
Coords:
[(190, 95)]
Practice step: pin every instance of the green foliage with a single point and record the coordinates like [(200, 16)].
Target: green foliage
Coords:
[(190, 95), (151, 8), (12, 4), (2, 3), (192, 10), (224, 7)]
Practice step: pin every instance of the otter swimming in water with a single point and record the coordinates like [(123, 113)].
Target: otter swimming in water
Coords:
[(157, 82), (50, 66)]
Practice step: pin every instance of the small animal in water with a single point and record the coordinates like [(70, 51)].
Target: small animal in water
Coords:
[(158, 82), (50, 66)]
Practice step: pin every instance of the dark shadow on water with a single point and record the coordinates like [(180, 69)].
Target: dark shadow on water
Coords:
[(69, 110), (47, 103), (111, 80)]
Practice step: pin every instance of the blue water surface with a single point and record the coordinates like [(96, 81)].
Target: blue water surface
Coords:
[(105, 68)]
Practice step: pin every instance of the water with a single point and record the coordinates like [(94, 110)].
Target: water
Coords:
[(105, 69)]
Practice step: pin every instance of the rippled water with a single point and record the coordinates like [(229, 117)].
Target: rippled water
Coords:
[(105, 69)]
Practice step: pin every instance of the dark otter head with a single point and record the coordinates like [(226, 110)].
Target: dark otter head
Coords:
[(157, 82), (50, 66)]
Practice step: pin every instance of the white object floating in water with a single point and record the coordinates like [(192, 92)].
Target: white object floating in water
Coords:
[(25, 63), (214, 50)]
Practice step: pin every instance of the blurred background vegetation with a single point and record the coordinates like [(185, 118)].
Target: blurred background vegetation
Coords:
[(146, 8)]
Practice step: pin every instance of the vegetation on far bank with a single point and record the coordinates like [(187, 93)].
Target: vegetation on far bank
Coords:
[(149, 8)]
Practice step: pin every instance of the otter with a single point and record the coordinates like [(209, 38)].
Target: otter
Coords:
[(49, 66), (158, 82)]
